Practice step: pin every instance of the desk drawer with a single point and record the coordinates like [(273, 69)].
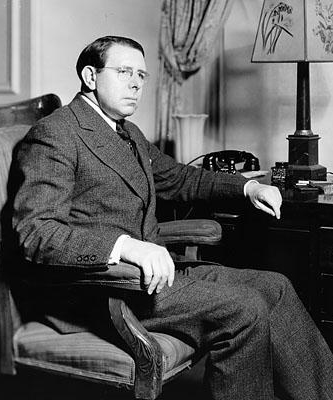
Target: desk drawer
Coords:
[(326, 328), (326, 249), (326, 298)]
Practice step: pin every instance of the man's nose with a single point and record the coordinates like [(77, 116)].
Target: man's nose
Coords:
[(135, 81)]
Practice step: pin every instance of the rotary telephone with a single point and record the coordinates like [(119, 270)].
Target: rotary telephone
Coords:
[(224, 161)]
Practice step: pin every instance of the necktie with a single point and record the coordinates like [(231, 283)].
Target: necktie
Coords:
[(125, 136)]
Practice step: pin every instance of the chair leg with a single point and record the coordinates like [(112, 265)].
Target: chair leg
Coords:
[(192, 253), (6, 328)]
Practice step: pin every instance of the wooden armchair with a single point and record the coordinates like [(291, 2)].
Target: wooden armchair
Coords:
[(139, 362)]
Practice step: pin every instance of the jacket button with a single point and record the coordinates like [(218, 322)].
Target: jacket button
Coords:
[(86, 258), (93, 257), (79, 258)]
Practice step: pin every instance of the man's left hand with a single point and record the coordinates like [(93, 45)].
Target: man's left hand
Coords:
[(264, 197)]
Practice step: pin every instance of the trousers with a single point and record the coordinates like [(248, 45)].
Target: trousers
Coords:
[(259, 339)]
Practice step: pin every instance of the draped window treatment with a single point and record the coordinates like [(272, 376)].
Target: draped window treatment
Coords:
[(187, 33)]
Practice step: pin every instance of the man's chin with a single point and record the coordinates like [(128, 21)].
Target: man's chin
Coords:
[(129, 110)]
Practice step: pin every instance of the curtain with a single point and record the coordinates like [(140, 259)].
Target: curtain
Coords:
[(187, 34)]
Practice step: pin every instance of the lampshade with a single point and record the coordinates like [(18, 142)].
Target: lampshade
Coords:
[(295, 30)]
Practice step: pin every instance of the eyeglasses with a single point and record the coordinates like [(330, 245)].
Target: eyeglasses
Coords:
[(126, 73)]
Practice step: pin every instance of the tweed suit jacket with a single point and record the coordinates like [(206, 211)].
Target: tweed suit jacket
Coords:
[(81, 187)]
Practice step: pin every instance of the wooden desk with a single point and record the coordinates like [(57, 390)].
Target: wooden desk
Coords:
[(299, 245)]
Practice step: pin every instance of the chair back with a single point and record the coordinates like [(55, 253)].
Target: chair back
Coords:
[(15, 121)]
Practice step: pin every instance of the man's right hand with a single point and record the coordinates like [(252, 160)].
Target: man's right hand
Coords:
[(155, 261)]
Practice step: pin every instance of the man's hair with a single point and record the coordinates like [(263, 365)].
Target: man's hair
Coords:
[(95, 53)]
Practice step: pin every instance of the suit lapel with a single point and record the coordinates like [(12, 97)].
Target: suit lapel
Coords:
[(142, 151), (109, 147), (150, 225)]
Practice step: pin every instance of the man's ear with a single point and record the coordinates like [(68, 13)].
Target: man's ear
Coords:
[(89, 77)]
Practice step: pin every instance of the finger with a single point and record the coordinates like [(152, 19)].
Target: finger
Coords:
[(171, 267), (147, 274), (164, 275), (274, 201), (276, 208), (153, 285), (263, 206), (155, 278), (167, 268)]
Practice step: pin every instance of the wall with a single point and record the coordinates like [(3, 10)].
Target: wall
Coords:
[(14, 50), (62, 28), (256, 102)]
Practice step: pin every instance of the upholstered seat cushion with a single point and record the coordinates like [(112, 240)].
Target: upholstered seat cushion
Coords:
[(41, 346)]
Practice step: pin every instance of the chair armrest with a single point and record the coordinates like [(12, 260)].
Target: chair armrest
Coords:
[(191, 232), (118, 276)]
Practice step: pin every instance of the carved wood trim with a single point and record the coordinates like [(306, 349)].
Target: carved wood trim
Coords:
[(6, 332), (144, 349)]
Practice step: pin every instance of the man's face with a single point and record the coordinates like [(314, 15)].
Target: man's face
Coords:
[(119, 98)]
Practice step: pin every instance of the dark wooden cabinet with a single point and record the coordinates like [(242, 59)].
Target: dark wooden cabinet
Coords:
[(299, 245), (325, 267)]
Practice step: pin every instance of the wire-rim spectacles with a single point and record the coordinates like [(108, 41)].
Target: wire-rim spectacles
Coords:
[(126, 73)]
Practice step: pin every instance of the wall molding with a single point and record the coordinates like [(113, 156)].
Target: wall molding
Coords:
[(11, 76), (35, 43)]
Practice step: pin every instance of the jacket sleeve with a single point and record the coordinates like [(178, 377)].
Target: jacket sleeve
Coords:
[(45, 168), (175, 181)]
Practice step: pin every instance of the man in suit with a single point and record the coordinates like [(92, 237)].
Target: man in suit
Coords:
[(87, 199)]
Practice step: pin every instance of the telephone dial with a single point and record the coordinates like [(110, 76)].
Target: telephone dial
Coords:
[(224, 161)]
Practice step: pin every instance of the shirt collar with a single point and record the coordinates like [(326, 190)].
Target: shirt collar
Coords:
[(108, 120)]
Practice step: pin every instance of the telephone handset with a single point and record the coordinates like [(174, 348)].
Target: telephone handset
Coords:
[(224, 161)]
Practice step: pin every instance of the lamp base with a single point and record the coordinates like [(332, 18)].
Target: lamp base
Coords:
[(306, 173), (303, 159), (303, 150)]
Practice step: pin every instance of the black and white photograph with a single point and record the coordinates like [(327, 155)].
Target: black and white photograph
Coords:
[(166, 199)]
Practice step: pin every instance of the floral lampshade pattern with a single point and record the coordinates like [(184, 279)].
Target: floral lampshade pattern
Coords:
[(295, 30)]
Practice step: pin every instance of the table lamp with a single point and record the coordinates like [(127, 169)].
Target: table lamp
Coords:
[(298, 31)]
